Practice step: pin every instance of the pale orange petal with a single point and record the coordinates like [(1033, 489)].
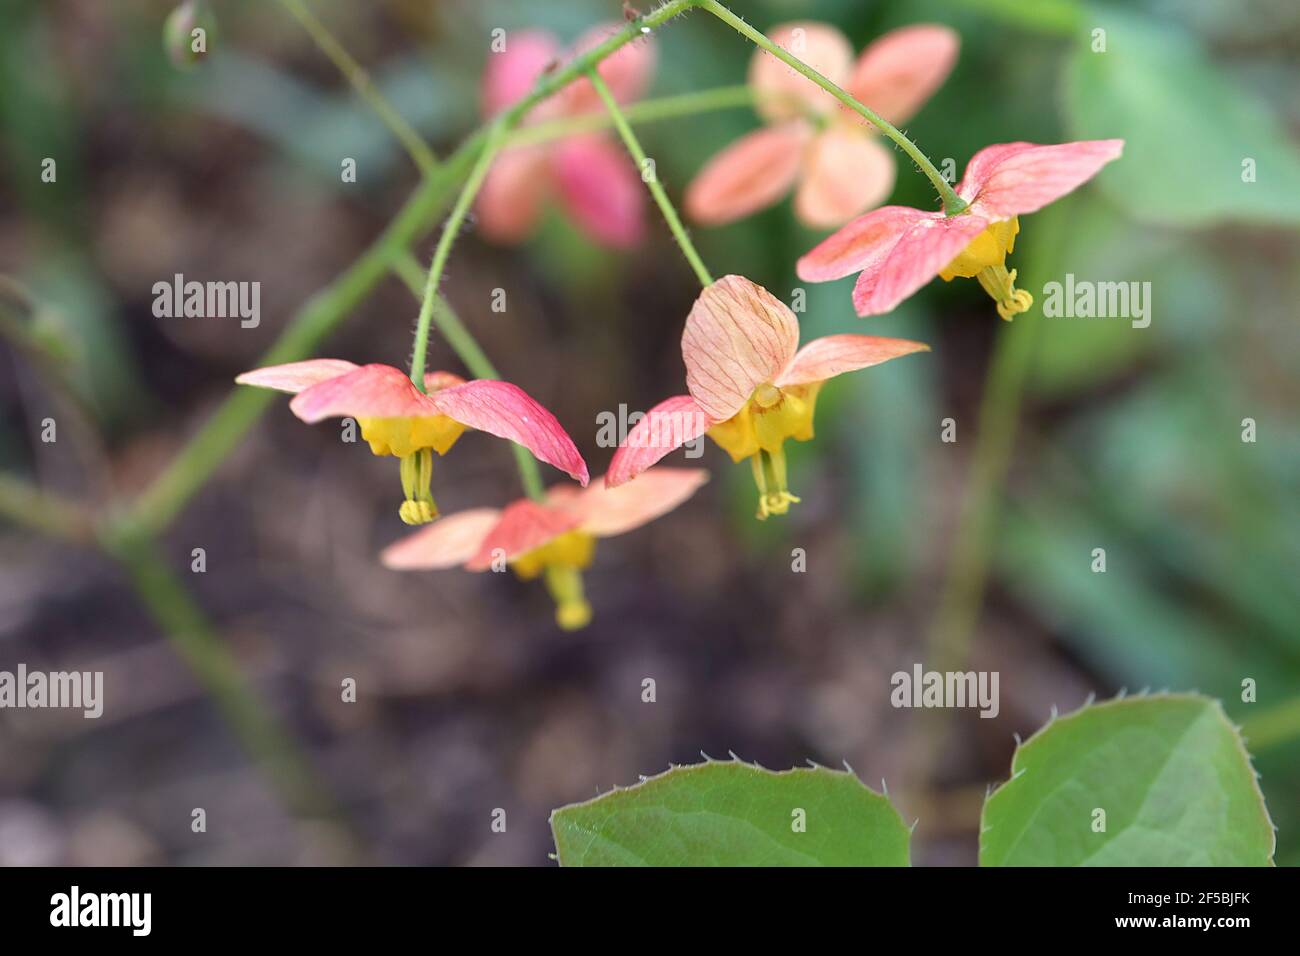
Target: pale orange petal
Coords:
[(785, 94), (296, 376), (610, 511), (752, 173), (435, 381), (847, 172), (836, 354), (737, 337), (449, 541), (897, 73)]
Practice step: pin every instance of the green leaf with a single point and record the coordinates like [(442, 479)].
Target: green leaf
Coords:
[(734, 814), (1187, 128), (1170, 772)]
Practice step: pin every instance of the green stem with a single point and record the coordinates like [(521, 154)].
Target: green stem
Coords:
[(450, 230), (193, 638), (646, 111), (471, 353), (26, 505), (650, 178), (1274, 726), (419, 151), (952, 203), (159, 504)]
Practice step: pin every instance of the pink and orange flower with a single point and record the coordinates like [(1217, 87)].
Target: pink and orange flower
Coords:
[(841, 168), (555, 540), (896, 250), (750, 386), (397, 419), (594, 180)]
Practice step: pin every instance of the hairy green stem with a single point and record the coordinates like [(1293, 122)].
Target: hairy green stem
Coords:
[(450, 230), (952, 203), (651, 178), (355, 74), (471, 353)]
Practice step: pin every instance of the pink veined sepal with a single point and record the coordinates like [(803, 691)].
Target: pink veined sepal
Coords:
[(834, 355), (296, 376), (604, 511), (507, 411), (667, 426), (522, 527)]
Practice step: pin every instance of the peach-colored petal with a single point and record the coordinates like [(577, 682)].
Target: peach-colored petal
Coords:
[(865, 241), (371, 391), (737, 337), (752, 173), (510, 74), (923, 250), (607, 511), (847, 171), (523, 526), (602, 190), (511, 197), (785, 94), (836, 354), (449, 541), (1012, 179), (296, 376), (436, 381), (627, 73), (900, 71), (507, 411), (669, 425)]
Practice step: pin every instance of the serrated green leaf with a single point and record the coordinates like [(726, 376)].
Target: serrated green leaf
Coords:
[(1187, 128), (1169, 771), (734, 814)]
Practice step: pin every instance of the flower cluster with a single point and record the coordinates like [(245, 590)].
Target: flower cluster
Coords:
[(750, 387)]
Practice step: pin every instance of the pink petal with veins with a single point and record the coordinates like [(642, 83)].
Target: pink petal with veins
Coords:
[(296, 376), (782, 93), (1013, 179), (846, 172), (751, 174), (900, 71), (836, 354), (602, 190), (507, 411), (606, 511), (523, 526), (449, 541), (929, 245), (738, 336), (371, 391), (669, 425), (864, 242)]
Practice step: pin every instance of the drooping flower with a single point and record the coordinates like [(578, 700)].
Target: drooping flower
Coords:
[(898, 249), (750, 386), (811, 138), (592, 177), (555, 540), (397, 419)]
